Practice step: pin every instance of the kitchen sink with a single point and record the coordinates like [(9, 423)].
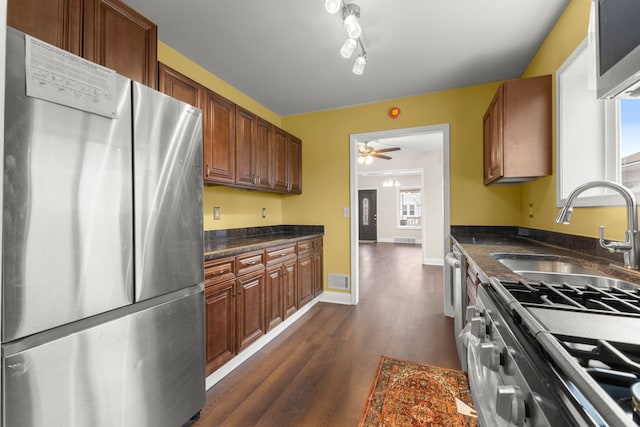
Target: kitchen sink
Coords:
[(558, 269), (544, 263)]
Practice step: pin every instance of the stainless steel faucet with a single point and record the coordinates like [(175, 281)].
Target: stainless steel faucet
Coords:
[(631, 245)]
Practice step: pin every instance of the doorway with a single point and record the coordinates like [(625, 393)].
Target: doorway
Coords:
[(367, 220), (435, 242)]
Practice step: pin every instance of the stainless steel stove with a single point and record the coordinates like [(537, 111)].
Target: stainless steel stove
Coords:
[(542, 354)]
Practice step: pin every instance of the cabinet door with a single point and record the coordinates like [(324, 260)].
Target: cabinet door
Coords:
[(250, 306), (57, 22), (305, 279), (220, 315), (263, 154), (318, 270), (290, 287), (179, 86), (245, 141), (294, 164), (493, 139), (219, 139), (274, 289), (118, 37), (279, 159)]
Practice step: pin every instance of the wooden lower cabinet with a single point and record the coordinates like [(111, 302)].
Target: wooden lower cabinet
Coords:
[(274, 290), (250, 308), (305, 279), (248, 295), (318, 271), (290, 288), (220, 314)]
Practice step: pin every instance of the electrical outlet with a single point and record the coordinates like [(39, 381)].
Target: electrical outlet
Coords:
[(264, 212), (530, 210), (216, 213)]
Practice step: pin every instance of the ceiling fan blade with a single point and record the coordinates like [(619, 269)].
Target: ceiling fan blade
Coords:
[(380, 156), (386, 150)]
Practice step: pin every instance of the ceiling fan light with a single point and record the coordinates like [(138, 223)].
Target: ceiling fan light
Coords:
[(358, 66), (348, 47), (332, 6), (361, 160), (368, 160)]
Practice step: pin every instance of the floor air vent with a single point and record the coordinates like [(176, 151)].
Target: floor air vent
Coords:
[(339, 281), (404, 240)]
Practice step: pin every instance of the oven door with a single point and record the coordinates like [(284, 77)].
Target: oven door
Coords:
[(455, 297)]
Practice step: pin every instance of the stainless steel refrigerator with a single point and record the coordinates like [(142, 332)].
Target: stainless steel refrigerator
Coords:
[(102, 252)]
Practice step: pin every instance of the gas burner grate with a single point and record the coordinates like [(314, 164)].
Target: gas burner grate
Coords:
[(601, 354), (586, 297)]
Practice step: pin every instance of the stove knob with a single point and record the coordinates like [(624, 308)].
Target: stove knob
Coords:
[(472, 311), (489, 356), (479, 327), (510, 404)]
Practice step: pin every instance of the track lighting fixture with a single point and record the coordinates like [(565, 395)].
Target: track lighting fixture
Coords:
[(350, 16), (358, 66), (348, 47), (333, 6)]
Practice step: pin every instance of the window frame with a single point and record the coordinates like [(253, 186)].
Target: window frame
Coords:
[(399, 190), (610, 144)]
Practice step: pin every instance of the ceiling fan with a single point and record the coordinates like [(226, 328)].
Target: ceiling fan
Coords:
[(367, 153)]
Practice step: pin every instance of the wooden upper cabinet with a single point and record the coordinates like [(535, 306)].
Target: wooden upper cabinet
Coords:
[(245, 142), (279, 158), (174, 84), (107, 32), (262, 151), (294, 165), (287, 162), (57, 22), (120, 38), (517, 131), (219, 144)]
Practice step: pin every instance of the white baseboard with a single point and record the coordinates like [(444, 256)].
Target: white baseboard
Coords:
[(228, 367), (432, 261), (336, 297)]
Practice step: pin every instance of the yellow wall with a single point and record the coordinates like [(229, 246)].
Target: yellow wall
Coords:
[(325, 156), (567, 34), (325, 163)]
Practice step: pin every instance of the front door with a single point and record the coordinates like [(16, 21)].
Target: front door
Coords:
[(367, 201)]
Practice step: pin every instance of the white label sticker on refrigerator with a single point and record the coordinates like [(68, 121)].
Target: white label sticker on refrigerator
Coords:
[(64, 78)]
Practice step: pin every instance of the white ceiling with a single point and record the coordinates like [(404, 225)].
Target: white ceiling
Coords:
[(285, 53)]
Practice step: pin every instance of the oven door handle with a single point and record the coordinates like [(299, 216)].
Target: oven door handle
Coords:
[(452, 260)]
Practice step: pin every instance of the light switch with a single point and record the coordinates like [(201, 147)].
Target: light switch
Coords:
[(345, 212), (216, 212)]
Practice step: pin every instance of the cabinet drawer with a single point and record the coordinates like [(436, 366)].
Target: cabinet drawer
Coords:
[(280, 254), (305, 248), (249, 262), (218, 270)]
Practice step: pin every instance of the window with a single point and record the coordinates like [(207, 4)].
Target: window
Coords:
[(409, 208), (596, 139)]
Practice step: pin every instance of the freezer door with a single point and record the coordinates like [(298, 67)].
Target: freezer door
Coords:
[(67, 221), (169, 252), (141, 365)]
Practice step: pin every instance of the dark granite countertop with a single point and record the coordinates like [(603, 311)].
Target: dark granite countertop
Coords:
[(230, 242), (479, 243)]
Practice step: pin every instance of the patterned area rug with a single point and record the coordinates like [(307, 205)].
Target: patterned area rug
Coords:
[(412, 394)]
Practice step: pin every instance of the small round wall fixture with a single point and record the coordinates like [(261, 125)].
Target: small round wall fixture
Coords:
[(394, 112)]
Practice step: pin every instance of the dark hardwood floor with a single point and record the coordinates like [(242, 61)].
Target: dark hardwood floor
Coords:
[(319, 371)]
